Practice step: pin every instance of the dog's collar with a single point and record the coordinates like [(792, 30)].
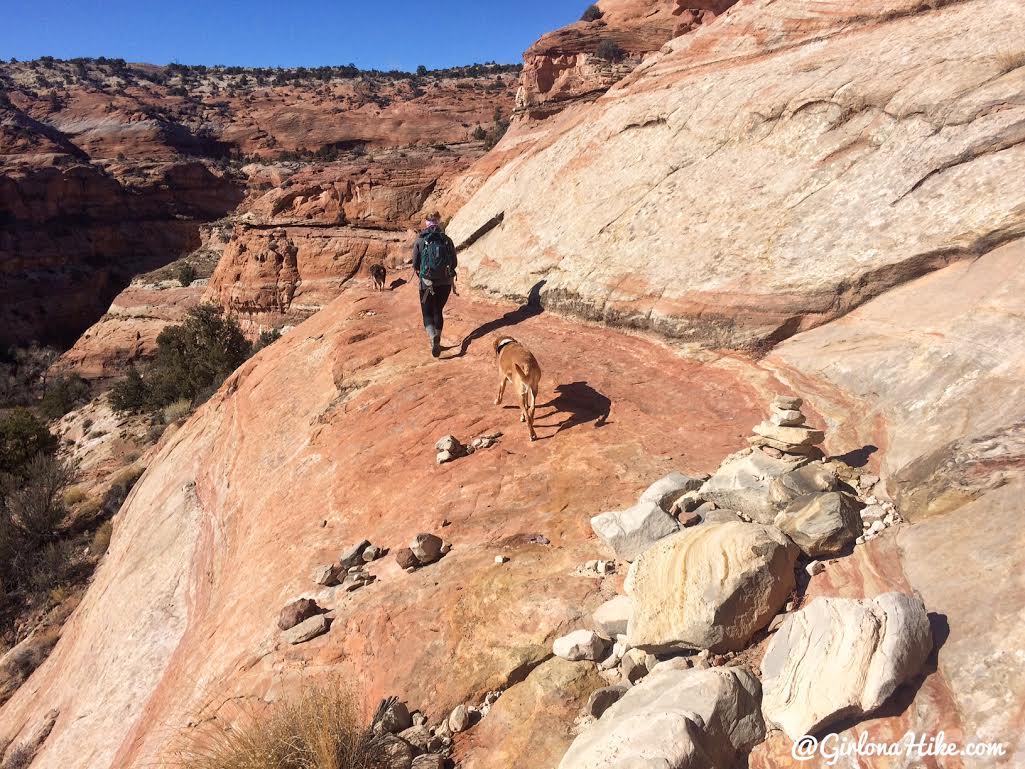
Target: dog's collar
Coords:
[(504, 342)]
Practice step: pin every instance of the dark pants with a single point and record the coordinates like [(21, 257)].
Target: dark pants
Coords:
[(432, 304)]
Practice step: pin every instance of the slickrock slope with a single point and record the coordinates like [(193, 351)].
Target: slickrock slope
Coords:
[(326, 437), (770, 172), (108, 169)]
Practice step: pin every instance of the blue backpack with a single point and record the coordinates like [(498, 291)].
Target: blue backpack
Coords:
[(436, 262)]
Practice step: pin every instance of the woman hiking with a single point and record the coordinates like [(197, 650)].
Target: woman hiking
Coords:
[(434, 261)]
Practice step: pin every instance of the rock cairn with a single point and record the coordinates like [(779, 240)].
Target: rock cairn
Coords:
[(350, 572), (718, 563), (785, 431)]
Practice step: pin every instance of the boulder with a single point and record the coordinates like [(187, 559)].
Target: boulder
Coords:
[(808, 479), (426, 548), (418, 735), (613, 615), (448, 443), (326, 575), (680, 718), (459, 719), (821, 524), (394, 753), (581, 645), (394, 718), (841, 657), (604, 698), (428, 761), (709, 587), (635, 665), (405, 559), (354, 555), (306, 630), (297, 611), (665, 491), (632, 531), (742, 484)]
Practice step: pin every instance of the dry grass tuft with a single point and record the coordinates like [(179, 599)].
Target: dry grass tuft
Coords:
[(1010, 60), (179, 409), (101, 539), (322, 728)]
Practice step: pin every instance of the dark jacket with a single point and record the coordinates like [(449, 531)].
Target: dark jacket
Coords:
[(418, 249)]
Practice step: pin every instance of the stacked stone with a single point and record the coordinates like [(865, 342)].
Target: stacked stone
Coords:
[(785, 431)]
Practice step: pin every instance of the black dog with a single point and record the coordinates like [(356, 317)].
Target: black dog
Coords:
[(379, 274)]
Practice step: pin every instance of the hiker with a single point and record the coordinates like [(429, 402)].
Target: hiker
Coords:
[(434, 261)]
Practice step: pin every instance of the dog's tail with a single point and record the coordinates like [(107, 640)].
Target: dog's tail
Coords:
[(525, 378)]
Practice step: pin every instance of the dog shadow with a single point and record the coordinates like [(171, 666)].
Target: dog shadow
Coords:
[(529, 309), (396, 283), (580, 403)]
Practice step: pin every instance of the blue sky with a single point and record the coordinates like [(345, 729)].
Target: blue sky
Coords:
[(393, 34)]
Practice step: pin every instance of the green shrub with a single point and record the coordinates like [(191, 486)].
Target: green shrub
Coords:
[(192, 361), (320, 729), (63, 394), (119, 490), (34, 502), (187, 274), (609, 50), (23, 436), (592, 13), (267, 338), (479, 133)]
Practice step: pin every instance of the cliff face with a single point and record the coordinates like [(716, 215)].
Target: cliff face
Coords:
[(769, 172), (108, 170)]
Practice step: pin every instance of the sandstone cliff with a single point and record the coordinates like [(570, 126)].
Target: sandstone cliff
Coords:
[(769, 172), (108, 170)]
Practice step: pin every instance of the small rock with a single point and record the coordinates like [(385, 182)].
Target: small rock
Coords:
[(630, 532), (297, 611), (459, 719), (410, 569), (445, 522), (448, 443), (613, 616), (689, 519), (406, 560), (371, 554), (604, 698), (876, 527), (859, 541), (306, 630), (815, 567), (445, 548), (867, 481), (326, 575), (785, 402), (501, 559), (673, 663), (443, 457), (635, 665), (581, 645), (426, 548), (428, 761), (787, 417), (665, 491)]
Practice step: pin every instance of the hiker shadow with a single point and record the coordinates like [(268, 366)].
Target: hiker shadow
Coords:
[(580, 403), (529, 309)]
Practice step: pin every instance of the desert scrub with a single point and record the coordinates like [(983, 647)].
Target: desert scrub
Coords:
[(101, 539), (180, 409), (1010, 60), (321, 728)]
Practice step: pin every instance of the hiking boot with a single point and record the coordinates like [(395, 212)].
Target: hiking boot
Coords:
[(436, 346)]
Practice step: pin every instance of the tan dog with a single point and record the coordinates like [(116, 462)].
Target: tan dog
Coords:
[(517, 365)]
